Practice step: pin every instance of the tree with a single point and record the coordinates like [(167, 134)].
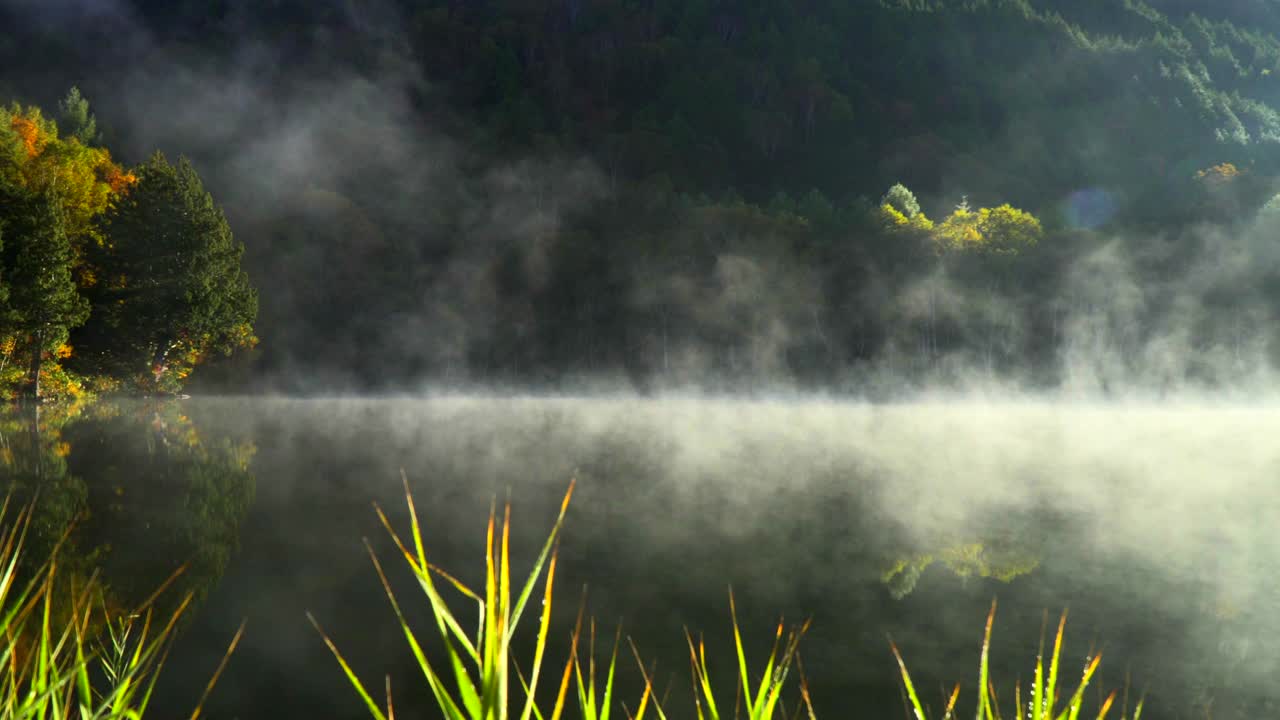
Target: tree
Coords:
[(1008, 230), (902, 200), (77, 121), (169, 287), (44, 303), (1003, 230), (900, 211), (84, 180)]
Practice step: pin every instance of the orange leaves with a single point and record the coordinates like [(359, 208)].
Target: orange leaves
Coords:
[(116, 177), (1219, 174), (85, 179), (29, 132)]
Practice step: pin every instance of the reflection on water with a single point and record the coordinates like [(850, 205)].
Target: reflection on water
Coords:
[(1155, 525), (148, 493), (1003, 562)]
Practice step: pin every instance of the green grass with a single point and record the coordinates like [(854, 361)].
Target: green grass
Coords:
[(63, 652), (1045, 692), (480, 672), (476, 682)]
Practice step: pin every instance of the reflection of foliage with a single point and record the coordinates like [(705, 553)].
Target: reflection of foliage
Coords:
[(903, 576), (33, 464), (149, 491), (1000, 561), (160, 497)]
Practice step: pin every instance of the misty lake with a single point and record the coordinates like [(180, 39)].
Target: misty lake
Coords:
[(1155, 525)]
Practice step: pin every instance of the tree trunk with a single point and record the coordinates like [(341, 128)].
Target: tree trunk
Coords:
[(33, 373), (158, 360)]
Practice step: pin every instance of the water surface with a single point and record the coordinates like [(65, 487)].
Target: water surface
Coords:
[(1153, 523)]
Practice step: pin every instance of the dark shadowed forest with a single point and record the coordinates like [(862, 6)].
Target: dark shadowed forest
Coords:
[(861, 196)]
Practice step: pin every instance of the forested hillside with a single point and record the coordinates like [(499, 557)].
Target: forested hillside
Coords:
[(546, 191)]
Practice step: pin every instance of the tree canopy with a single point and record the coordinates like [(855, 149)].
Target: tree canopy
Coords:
[(144, 256)]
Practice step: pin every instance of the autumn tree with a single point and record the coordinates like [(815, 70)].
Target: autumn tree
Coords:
[(1003, 230), (169, 287), (84, 180), (43, 301)]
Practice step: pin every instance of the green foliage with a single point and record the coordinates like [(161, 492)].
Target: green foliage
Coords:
[(163, 496), (1000, 561), (44, 303), (153, 266), (902, 201), (77, 121), (717, 97), (170, 288)]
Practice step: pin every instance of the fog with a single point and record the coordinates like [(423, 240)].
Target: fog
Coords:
[(1151, 521), (1137, 447)]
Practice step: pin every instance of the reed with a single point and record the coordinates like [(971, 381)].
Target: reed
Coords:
[(481, 666), (63, 653), (1046, 700), (476, 680)]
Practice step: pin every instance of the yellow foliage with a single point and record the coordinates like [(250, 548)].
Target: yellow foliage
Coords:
[(959, 230), (55, 382), (85, 179), (1003, 230), (1008, 229), (63, 351), (1219, 174), (895, 220)]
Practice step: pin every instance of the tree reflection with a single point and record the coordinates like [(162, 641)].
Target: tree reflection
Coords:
[(1002, 561), (147, 490)]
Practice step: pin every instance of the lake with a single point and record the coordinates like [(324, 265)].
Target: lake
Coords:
[(1155, 524)]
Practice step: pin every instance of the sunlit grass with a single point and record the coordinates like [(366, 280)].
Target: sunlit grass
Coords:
[(1045, 696), (766, 698), (63, 653), (480, 667), (475, 681)]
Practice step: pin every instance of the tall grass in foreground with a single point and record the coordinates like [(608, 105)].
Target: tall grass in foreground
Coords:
[(63, 655), (481, 666), (1045, 693)]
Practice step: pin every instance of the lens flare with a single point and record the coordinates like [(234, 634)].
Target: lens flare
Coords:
[(1090, 208)]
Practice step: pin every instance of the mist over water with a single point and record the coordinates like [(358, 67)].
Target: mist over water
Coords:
[(1090, 424), (1152, 522)]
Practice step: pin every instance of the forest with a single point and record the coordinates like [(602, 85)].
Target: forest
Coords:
[(722, 194)]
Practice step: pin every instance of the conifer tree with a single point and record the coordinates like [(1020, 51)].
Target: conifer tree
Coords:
[(170, 287), (76, 120), (43, 301)]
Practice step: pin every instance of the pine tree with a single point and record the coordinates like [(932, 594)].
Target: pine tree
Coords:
[(77, 121), (170, 285), (43, 301)]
